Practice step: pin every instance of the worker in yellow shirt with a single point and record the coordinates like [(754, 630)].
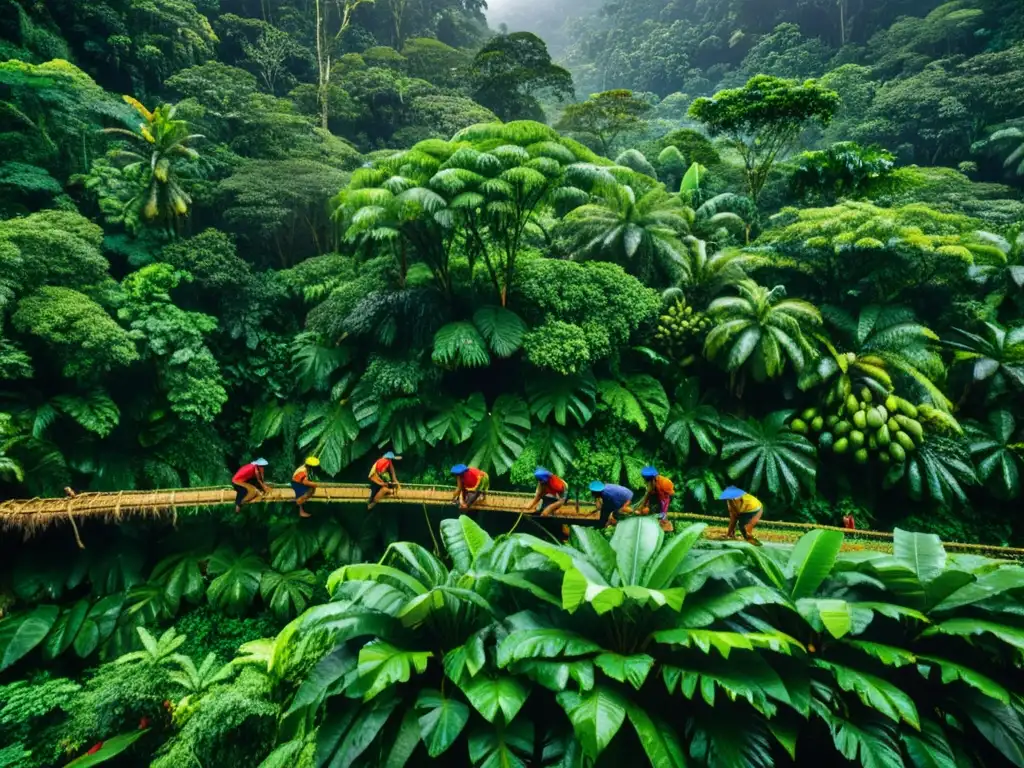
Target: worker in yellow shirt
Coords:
[(744, 509)]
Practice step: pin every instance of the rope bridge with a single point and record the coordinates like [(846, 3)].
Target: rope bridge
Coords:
[(30, 516)]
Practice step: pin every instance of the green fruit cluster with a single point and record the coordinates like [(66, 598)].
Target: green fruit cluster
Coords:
[(886, 430), (681, 330)]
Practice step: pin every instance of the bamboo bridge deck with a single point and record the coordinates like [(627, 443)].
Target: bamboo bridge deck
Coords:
[(30, 516)]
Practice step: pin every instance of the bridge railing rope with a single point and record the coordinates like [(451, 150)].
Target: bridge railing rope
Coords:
[(29, 516)]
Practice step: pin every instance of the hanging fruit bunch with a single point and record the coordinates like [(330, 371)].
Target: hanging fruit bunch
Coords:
[(887, 430), (681, 332)]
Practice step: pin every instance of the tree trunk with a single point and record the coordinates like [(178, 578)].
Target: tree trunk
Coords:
[(323, 62)]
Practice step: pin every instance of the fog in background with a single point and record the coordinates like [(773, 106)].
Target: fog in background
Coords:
[(545, 18)]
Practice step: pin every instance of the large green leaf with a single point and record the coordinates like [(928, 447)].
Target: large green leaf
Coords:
[(111, 748), (874, 692), (811, 561), (455, 420), (658, 739), (632, 669), (460, 345), (636, 540), (506, 746), (635, 398), (929, 748), (951, 671), (726, 642), (1006, 579), (543, 644), (597, 549), (404, 742), (372, 572), (871, 742), (741, 676), (923, 553), (181, 577), (668, 562), (365, 728), (441, 721), (65, 630), (237, 577), (1000, 724), (596, 717), (21, 633), (329, 431), (502, 328), (562, 397), (382, 665), (704, 608), (465, 540), (287, 594), (1012, 636), (292, 546), (500, 437), (491, 695)]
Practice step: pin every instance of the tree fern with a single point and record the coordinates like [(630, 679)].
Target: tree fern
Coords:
[(460, 345), (455, 420), (501, 436), (502, 328), (562, 397), (94, 411), (638, 399)]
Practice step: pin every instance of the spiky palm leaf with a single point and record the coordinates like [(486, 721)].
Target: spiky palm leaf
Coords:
[(460, 345), (876, 349), (563, 396), (689, 418), (995, 356), (939, 469), (761, 330), (638, 399), (997, 449), (502, 328), (641, 233), (768, 453)]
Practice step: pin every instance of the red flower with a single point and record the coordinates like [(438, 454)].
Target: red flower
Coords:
[(143, 723), (95, 748)]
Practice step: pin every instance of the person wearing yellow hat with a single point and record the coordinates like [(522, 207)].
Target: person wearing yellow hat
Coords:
[(383, 478), (303, 484)]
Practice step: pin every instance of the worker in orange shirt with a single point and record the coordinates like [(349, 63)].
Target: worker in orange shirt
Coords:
[(383, 478), (660, 490)]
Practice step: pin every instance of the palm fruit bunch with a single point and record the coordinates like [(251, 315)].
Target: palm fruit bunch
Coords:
[(681, 332), (812, 423), (862, 426)]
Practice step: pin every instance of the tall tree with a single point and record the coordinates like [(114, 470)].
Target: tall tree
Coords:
[(605, 117), (763, 119), (324, 42), (511, 71)]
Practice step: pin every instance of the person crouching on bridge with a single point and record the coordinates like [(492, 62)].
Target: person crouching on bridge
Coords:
[(383, 478), (744, 510), (471, 485), (610, 499), (659, 490), (303, 484), (552, 492), (248, 481)]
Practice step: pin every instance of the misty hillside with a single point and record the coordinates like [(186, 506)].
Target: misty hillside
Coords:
[(547, 19)]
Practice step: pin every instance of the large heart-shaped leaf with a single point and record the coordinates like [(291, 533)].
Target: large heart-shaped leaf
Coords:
[(236, 582), (491, 695), (596, 717), (441, 721), (21, 633)]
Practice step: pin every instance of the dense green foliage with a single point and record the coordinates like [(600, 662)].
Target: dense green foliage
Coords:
[(774, 244)]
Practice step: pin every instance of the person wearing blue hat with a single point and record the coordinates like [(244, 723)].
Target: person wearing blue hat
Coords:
[(471, 485), (552, 492), (383, 478), (745, 510), (609, 500), (659, 489), (248, 481)]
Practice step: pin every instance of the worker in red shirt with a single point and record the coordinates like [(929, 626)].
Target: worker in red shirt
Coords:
[(383, 479), (552, 492), (471, 485), (248, 481)]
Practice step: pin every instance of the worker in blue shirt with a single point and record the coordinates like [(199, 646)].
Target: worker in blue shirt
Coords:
[(610, 499)]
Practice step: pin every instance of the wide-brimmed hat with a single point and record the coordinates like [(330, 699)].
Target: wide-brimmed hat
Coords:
[(648, 473), (391, 455), (596, 487), (312, 461), (732, 492), (459, 469), (261, 462), (541, 473)]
